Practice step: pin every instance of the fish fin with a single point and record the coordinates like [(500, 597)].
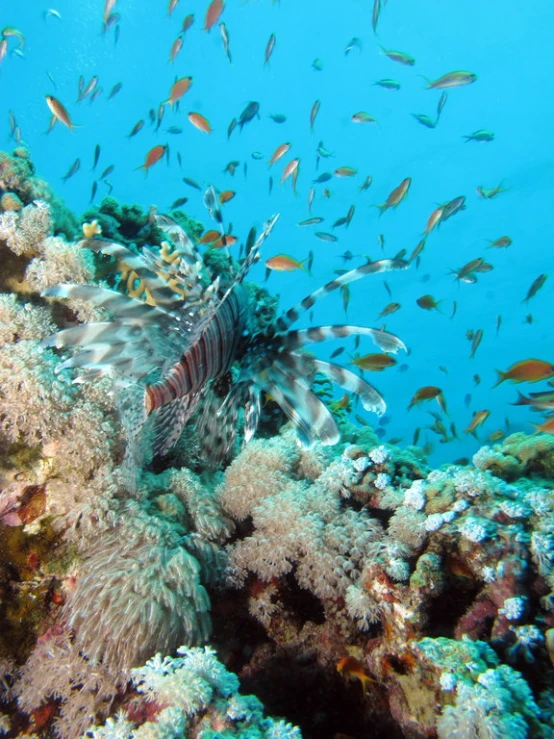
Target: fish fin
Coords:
[(308, 413), (385, 341), (502, 376), (170, 420), (383, 265)]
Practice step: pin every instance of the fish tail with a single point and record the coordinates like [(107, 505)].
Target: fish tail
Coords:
[(501, 377), (522, 400), (382, 207)]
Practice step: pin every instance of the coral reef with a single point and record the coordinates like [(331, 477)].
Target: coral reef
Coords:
[(130, 225), (20, 186), (435, 587)]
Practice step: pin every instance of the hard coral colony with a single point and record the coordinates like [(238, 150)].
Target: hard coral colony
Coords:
[(185, 502)]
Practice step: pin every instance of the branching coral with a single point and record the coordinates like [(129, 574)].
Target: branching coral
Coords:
[(191, 695)]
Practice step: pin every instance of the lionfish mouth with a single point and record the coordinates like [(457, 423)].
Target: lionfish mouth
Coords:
[(174, 346)]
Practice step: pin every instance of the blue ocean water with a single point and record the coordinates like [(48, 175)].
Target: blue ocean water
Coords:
[(507, 44)]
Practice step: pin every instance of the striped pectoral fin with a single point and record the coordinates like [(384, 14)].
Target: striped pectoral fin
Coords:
[(170, 420), (252, 411), (101, 332), (370, 397), (385, 341), (310, 413), (371, 268), (158, 289), (118, 305)]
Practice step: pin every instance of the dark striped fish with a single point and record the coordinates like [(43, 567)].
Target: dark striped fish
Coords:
[(198, 348)]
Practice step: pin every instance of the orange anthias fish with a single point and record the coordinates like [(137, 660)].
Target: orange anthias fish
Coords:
[(153, 156), (279, 152), (176, 47), (224, 241), (199, 122), (178, 89), (396, 196), (225, 196), (528, 370), (433, 220), (479, 418), (352, 669), (429, 392), (284, 263), (289, 169), (547, 427), (374, 362), (213, 13), (428, 302), (209, 236), (388, 309), (59, 112)]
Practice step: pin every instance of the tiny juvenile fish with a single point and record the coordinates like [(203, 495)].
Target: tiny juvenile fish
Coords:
[(311, 221), (345, 172), (191, 183), (480, 136), (136, 128), (501, 243), (425, 120), (72, 170), (269, 48), (399, 56), (535, 287), (249, 113), (96, 156), (115, 89), (107, 172), (324, 236), (225, 39), (452, 79), (363, 117), (476, 340), (178, 203), (278, 117), (490, 193), (396, 196), (313, 113), (388, 309), (388, 84)]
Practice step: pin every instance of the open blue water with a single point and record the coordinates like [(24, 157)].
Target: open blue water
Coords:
[(506, 43)]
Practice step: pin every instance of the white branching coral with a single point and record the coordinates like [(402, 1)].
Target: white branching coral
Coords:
[(34, 399), (57, 670), (22, 321), (185, 686), (59, 262), (298, 525), (24, 231)]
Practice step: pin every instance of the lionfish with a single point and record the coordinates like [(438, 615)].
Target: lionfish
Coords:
[(179, 343)]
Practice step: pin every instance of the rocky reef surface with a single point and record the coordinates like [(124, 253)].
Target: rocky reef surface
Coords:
[(350, 590)]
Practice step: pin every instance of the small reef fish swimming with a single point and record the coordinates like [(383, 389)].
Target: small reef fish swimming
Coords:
[(207, 330), (396, 196), (452, 79), (59, 112), (528, 370), (352, 669)]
